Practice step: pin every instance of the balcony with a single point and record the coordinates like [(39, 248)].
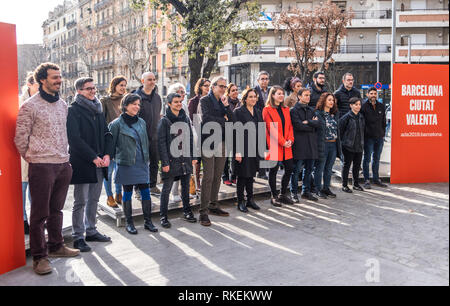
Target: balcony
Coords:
[(102, 5), (104, 22), (153, 47), (172, 72), (128, 32), (264, 49), (103, 64), (71, 24)]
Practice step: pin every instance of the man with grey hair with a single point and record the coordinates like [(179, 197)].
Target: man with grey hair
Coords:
[(215, 109), (345, 93), (151, 106), (90, 148)]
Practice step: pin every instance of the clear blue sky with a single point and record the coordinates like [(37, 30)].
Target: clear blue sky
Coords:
[(28, 16)]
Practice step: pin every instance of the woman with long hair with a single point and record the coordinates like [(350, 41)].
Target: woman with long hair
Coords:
[(111, 109), (232, 94), (280, 138), (328, 143)]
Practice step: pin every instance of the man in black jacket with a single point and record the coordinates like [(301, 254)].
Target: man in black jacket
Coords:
[(90, 148), (317, 87), (375, 115), (262, 89), (345, 93), (151, 106)]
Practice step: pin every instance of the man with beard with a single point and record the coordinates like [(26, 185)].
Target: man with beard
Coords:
[(375, 114), (317, 87), (41, 139), (90, 148)]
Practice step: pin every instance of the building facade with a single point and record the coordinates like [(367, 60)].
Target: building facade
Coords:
[(424, 21)]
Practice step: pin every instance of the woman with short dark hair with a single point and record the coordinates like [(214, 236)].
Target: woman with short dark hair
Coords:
[(351, 129), (131, 153), (111, 110)]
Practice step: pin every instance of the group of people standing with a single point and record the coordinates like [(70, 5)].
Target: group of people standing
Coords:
[(128, 138)]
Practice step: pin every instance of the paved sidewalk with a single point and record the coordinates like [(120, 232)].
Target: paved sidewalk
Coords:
[(397, 236)]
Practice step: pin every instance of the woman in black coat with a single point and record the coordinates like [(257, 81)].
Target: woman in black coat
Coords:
[(351, 129), (246, 162), (305, 152), (175, 168)]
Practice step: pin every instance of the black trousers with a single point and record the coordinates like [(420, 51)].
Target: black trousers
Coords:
[(154, 164), (349, 159), (288, 168), (167, 187), (247, 184)]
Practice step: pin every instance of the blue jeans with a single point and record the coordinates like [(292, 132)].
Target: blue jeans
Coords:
[(324, 168), (108, 183), (24, 199), (307, 171), (372, 153)]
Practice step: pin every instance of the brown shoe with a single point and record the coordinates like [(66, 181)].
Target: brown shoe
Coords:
[(64, 252), (218, 212), (204, 220), (42, 266), (111, 202), (118, 198)]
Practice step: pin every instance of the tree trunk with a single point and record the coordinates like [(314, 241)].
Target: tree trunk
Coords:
[(195, 65), (209, 67)]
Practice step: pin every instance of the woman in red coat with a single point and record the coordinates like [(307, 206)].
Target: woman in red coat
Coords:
[(280, 138)]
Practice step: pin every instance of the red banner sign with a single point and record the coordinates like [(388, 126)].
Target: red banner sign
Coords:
[(420, 125)]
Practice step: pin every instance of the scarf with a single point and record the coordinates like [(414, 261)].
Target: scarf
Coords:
[(94, 106), (47, 97), (129, 120)]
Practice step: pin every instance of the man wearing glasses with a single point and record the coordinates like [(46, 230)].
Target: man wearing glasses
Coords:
[(90, 148), (263, 90)]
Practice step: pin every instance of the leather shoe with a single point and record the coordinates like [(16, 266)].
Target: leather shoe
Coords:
[(111, 202), (242, 207), (131, 229), (346, 189), (98, 238), (275, 202), (148, 225), (253, 205), (81, 245), (218, 212), (204, 220), (165, 222)]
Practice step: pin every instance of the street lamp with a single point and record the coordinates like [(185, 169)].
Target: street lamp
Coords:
[(409, 47), (378, 55)]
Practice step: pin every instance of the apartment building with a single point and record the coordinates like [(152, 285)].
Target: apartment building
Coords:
[(426, 22)]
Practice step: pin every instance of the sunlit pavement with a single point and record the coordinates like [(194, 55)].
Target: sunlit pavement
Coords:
[(394, 236)]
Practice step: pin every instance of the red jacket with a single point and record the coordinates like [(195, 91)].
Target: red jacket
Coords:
[(275, 137)]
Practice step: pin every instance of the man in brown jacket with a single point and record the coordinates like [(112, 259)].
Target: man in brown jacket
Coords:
[(41, 139)]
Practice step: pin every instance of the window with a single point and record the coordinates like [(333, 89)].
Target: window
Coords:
[(164, 33), (163, 62)]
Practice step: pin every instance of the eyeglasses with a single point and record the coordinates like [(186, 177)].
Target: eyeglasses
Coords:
[(264, 79), (222, 86), (90, 89)]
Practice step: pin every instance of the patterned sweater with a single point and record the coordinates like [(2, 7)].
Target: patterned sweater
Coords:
[(41, 133)]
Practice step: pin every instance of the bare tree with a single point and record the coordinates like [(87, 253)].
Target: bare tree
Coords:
[(300, 27), (90, 41), (333, 22)]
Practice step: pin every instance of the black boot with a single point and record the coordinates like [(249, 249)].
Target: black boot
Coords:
[(242, 207), (147, 209), (128, 212), (252, 204)]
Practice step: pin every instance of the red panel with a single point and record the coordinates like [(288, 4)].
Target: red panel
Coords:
[(420, 126), (12, 245)]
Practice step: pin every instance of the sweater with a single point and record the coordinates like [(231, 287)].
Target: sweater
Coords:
[(41, 133)]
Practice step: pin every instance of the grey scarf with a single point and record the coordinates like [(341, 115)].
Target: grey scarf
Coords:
[(94, 106)]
